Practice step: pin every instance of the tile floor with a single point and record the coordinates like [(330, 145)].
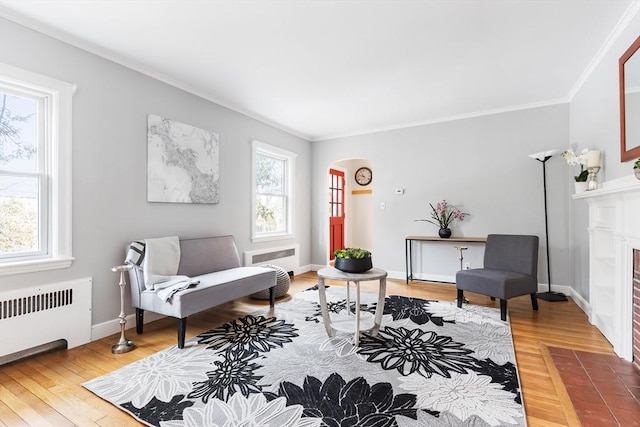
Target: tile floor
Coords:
[(604, 389)]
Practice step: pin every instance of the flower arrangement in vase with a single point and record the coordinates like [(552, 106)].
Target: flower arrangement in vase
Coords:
[(573, 159), (442, 215), (636, 169)]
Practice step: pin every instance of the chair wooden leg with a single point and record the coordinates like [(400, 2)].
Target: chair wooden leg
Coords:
[(139, 320), (182, 330), (460, 297), (534, 301), (272, 296), (503, 309)]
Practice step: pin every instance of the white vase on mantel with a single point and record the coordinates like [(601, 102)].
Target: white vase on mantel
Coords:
[(581, 187)]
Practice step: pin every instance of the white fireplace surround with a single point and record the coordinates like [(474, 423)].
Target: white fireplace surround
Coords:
[(614, 231)]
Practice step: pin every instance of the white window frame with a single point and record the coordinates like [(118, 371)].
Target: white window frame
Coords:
[(57, 116), (289, 158)]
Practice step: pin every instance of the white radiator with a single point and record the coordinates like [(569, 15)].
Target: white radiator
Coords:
[(286, 257), (35, 316)]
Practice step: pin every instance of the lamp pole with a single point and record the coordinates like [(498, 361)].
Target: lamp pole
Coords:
[(547, 296)]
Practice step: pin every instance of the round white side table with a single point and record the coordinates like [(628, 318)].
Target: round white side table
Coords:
[(357, 322)]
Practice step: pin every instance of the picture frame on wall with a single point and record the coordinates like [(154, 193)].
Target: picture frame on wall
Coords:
[(183, 162), (629, 71)]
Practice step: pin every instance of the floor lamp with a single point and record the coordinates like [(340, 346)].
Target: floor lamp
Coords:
[(542, 157)]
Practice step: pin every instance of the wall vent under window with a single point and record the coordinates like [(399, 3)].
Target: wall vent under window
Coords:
[(35, 316), (286, 257), (32, 303)]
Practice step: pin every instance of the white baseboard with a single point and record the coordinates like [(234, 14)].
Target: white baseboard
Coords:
[(431, 277), (303, 269), (567, 290), (582, 303), (400, 275), (111, 327)]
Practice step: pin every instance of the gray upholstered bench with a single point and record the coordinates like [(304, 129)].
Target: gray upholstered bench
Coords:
[(215, 262)]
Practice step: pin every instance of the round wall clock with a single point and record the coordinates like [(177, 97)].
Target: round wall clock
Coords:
[(364, 176)]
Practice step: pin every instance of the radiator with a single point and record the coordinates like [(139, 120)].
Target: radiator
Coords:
[(39, 315), (286, 257)]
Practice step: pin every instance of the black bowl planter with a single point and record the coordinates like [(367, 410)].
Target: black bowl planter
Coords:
[(352, 265)]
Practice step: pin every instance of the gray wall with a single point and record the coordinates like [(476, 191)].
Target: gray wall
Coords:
[(486, 170), (595, 109), (109, 164), (481, 163), (595, 124)]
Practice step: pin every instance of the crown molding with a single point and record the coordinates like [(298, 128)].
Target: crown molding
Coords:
[(110, 56), (632, 10), (623, 23), (445, 119)]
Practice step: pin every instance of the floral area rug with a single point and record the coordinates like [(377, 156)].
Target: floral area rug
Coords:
[(431, 364)]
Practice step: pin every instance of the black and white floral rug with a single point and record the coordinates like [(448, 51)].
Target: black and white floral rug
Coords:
[(432, 364)]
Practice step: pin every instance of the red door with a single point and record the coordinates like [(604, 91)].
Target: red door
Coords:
[(336, 211)]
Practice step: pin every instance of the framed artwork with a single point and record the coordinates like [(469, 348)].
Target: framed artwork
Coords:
[(183, 163)]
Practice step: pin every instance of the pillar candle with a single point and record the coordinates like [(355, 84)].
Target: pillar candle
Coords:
[(593, 158)]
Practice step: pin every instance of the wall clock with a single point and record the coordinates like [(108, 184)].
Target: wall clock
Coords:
[(364, 176)]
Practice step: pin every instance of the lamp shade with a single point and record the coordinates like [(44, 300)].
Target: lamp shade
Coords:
[(544, 154)]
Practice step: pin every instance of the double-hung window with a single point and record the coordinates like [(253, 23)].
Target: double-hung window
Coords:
[(272, 192), (35, 172)]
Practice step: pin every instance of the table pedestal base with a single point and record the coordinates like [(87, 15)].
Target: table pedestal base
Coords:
[(356, 322)]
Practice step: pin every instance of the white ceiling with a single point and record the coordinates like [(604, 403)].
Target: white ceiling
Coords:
[(327, 68)]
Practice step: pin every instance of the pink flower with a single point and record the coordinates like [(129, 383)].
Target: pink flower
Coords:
[(443, 214)]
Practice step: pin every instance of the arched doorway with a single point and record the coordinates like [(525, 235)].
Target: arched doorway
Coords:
[(336, 210), (350, 205)]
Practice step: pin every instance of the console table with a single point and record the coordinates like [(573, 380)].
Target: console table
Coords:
[(408, 242)]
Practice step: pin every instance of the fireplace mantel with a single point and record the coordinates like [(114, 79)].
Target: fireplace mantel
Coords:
[(627, 184), (614, 231)]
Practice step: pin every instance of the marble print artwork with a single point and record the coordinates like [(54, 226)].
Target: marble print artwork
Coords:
[(183, 164)]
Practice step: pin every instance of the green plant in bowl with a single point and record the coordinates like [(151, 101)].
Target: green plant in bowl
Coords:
[(353, 260), (352, 253)]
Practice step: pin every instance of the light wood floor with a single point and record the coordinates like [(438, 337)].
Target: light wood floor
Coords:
[(46, 390)]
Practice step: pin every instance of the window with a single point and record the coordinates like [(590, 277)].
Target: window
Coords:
[(35, 172), (272, 195)]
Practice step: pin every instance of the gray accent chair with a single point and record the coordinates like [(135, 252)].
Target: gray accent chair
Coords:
[(510, 270)]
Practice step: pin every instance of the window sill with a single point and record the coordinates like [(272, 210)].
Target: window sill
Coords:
[(272, 237), (33, 266)]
